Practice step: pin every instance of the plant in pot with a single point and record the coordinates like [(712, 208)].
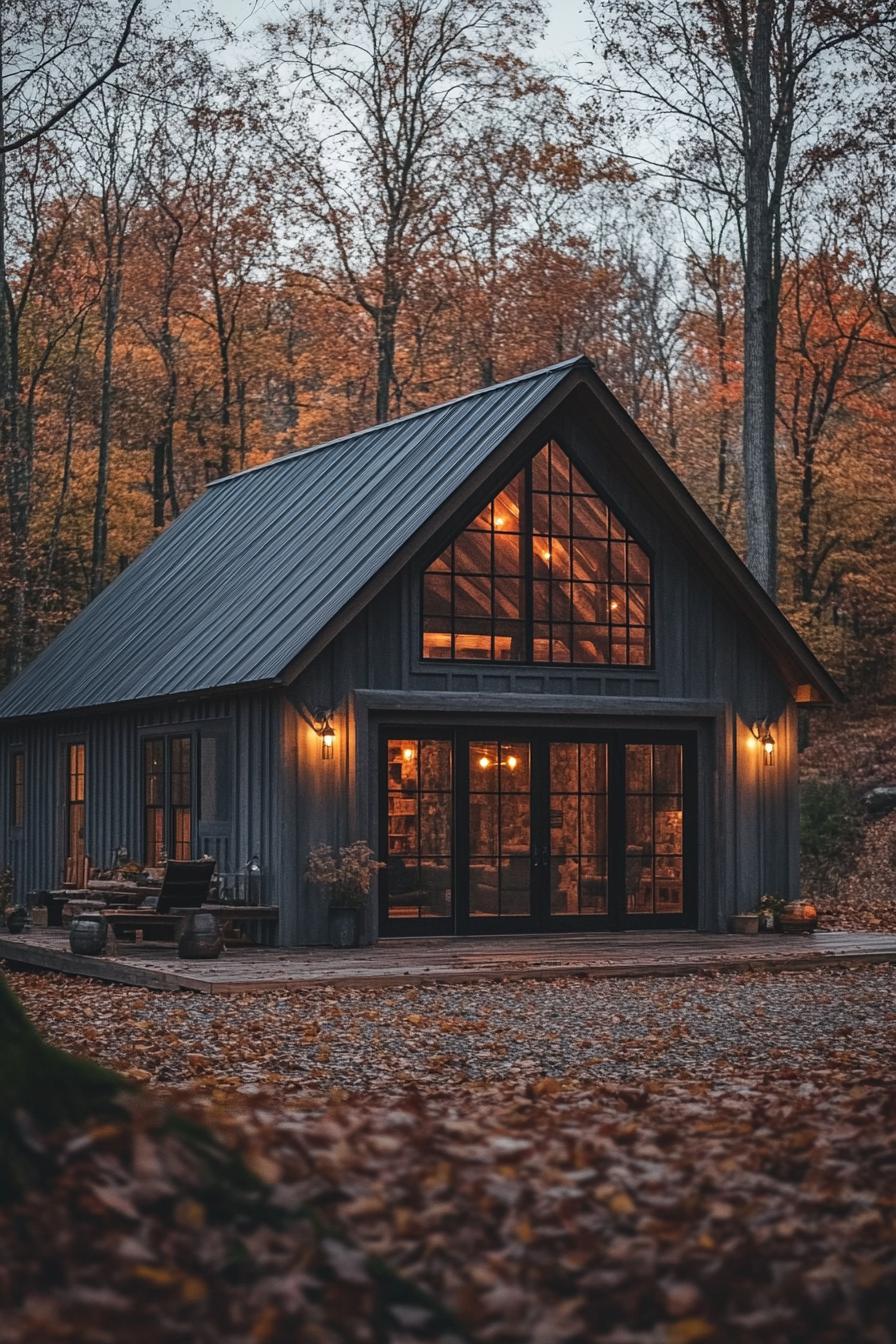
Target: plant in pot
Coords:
[(770, 908), (744, 922), (345, 878)]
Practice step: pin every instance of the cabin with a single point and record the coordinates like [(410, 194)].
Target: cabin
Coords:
[(498, 639)]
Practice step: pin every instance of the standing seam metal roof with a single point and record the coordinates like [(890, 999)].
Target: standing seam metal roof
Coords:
[(252, 571)]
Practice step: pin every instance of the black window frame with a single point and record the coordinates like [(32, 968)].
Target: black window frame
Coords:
[(170, 805), (71, 803), (526, 532), (17, 788)]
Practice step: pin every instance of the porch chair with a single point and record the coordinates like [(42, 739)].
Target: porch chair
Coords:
[(76, 872), (185, 886)]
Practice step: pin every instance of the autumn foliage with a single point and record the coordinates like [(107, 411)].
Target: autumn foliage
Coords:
[(240, 249)]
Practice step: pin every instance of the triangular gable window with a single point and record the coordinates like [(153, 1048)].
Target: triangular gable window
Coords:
[(546, 573)]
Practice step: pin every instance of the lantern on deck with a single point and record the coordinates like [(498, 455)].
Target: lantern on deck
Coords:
[(253, 881)]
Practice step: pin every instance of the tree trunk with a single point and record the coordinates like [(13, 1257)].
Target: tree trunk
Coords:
[(385, 361), (223, 335), (65, 485), (114, 262), (760, 316)]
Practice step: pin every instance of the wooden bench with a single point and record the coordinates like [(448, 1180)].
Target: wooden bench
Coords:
[(163, 927)]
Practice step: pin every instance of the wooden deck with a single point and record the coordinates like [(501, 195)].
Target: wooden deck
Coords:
[(444, 960)]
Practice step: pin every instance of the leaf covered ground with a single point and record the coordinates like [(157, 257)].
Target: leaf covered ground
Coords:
[(712, 1158)]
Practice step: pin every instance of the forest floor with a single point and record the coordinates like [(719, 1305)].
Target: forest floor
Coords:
[(636, 1162), (859, 747)]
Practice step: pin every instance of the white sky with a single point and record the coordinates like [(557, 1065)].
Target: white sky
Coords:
[(566, 31)]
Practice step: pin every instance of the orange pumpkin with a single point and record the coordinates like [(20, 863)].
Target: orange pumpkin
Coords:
[(798, 917)]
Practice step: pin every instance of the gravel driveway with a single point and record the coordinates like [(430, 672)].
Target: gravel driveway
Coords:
[(357, 1040)]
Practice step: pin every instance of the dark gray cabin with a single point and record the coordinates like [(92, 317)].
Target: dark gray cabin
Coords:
[(558, 698)]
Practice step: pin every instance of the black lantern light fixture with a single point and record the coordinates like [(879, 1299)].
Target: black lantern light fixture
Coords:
[(762, 732), (253, 881), (327, 734)]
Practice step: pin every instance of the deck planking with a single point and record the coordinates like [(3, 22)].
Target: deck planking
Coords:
[(450, 960)]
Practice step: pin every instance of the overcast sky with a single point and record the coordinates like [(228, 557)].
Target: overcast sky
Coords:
[(566, 26)]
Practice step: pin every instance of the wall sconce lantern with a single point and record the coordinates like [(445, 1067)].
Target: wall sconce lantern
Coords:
[(327, 735), (763, 735)]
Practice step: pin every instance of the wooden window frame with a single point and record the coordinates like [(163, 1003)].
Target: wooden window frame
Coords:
[(528, 579)]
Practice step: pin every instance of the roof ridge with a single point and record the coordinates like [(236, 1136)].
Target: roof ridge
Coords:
[(401, 419)]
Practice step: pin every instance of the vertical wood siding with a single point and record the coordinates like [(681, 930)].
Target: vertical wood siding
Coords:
[(287, 799), (703, 651), (114, 787)]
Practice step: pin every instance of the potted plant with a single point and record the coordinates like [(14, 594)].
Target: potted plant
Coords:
[(746, 922), (345, 878), (770, 908)]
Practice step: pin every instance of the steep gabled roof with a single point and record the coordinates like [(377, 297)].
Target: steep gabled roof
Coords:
[(259, 570), (241, 582)]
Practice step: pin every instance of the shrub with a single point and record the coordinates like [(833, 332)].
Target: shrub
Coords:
[(830, 826)]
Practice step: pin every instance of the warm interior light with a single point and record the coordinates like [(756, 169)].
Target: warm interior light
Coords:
[(484, 762), (762, 735), (511, 762), (499, 522), (408, 753), (545, 555), (614, 606)]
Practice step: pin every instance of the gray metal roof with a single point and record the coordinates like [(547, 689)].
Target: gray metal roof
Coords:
[(250, 573)]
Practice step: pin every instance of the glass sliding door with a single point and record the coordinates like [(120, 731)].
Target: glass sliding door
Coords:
[(577, 809), (419, 802), (499, 826), (654, 830), (512, 831)]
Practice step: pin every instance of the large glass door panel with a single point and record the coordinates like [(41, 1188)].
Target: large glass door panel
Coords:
[(577, 820), (654, 830), (512, 830), (500, 830), (419, 883)]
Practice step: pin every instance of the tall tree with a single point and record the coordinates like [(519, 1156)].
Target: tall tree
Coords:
[(740, 99), (379, 91), (113, 144), (54, 55)]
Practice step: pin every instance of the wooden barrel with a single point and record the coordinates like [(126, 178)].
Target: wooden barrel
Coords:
[(200, 937), (15, 917), (87, 934)]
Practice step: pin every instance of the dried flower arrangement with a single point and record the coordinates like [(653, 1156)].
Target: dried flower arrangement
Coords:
[(345, 877)]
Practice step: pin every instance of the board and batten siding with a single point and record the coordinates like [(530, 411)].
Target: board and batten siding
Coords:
[(709, 673), (114, 786)]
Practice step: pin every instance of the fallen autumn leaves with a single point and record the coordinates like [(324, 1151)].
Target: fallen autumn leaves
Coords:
[(757, 1203)]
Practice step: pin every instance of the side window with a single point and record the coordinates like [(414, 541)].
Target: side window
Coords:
[(167, 798), (17, 789), (75, 795), (186, 783), (180, 788), (153, 800)]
